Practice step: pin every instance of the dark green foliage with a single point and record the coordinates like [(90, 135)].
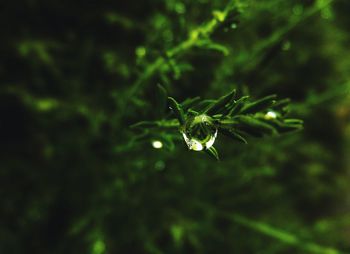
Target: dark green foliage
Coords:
[(232, 133), (237, 106), (237, 118), (212, 152), (222, 105), (177, 109), (259, 105), (190, 103)]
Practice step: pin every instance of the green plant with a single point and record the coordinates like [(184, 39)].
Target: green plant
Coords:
[(199, 121), (77, 179)]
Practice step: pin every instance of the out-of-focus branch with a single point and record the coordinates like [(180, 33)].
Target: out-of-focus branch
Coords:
[(193, 38), (280, 235)]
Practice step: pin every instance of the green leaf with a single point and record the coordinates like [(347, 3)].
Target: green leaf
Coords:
[(293, 121), (220, 103), (203, 105), (144, 124), (280, 235), (192, 112), (177, 109), (251, 123), (188, 103), (287, 125), (219, 47), (259, 105), (232, 134), (213, 153), (208, 44), (281, 105), (289, 128), (143, 137), (238, 105)]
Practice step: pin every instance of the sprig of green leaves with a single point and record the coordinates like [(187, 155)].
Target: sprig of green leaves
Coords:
[(236, 117)]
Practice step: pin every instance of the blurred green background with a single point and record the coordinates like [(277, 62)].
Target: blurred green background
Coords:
[(74, 76)]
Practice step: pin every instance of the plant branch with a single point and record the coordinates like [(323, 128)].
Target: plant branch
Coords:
[(195, 36), (280, 235)]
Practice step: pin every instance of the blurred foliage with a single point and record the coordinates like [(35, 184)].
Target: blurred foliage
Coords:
[(76, 179)]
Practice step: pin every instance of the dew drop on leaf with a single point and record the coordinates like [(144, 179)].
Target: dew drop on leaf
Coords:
[(199, 132)]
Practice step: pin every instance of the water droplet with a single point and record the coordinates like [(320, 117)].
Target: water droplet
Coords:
[(192, 143), (157, 144), (211, 141), (199, 132), (270, 115)]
